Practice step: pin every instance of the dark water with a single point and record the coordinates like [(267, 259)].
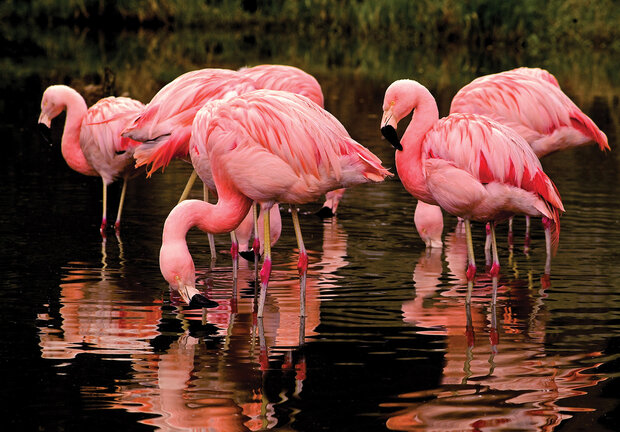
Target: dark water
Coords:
[(93, 340)]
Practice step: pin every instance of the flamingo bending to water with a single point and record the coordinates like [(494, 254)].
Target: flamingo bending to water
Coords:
[(470, 165), (91, 141), (266, 146)]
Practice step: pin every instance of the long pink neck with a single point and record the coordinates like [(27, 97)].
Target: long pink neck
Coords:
[(71, 150), (222, 217), (409, 160)]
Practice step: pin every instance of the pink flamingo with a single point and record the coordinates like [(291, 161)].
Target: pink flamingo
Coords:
[(530, 101), (266, 146), (470, 165), (428, 221), (91, 141)]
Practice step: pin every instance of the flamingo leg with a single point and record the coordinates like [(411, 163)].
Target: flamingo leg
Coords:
[(471, 261), (487, 245), (104, 221), (526, 246), (547, 226), (302, 264), (256, 242), (266, 270), (121, 202), (234, 251), (205, 192), (495, 267), (188, 186)]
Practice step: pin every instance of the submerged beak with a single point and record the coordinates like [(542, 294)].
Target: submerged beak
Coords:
[(388, 129), (44, 119), (193, 298), (44, 128)]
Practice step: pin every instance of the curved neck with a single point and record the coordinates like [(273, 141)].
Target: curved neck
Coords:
[(70, 146), (222, 217), (409, 159)]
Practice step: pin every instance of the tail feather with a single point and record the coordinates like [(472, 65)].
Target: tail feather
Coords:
[(159, 152), (586, 126)]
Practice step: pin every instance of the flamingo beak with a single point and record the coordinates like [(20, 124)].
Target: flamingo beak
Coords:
[(44, 128), (193, 298), (388, 129)]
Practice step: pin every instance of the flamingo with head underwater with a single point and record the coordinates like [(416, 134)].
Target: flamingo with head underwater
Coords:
[(91, 141), (530, 101), (470, 165), (266, 146)]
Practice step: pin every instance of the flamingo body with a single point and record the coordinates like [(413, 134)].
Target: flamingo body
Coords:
[(92, 143), (266, 146), (531, 102), (470, 165), (164, 127)]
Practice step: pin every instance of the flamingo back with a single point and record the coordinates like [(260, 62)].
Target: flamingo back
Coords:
[(533, 107), (286, 78), (164, 127), (100, 135), (474, 144), (283, 147)]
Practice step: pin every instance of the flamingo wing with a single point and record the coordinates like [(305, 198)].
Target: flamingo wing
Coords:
[(531, 106), (288, 141), (164, 126), (489, 152), (286, 78)]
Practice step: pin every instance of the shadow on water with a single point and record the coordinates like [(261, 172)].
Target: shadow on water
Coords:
[(96, 340)]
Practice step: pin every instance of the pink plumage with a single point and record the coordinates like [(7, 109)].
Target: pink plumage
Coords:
[(531, 102), (470, 165), (164, 127), (428, 221), (266, 146), (92, 143)]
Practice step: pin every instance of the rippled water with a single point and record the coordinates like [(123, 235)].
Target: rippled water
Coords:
[(93, 339)]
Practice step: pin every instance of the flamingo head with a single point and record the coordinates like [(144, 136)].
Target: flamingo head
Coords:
[(51, 105), (177, 267), (401, 97)]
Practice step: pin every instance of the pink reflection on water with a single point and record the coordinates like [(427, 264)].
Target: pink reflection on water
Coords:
[(201, 385), (99, 315), (497, 374)]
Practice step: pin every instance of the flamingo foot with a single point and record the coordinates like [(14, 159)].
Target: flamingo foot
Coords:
[(325, 213), (265, 272), (471, 272), (302, 264), (494, 270), (199, 301)]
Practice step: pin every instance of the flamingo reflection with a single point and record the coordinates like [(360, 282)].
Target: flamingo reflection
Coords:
[(215, 374), (98, 314), (497, 372)]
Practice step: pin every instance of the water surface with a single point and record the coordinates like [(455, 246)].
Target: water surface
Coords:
[(93, 338)]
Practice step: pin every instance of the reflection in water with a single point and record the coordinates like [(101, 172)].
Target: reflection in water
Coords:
[(100, 313), (214, 373), (497, 374)]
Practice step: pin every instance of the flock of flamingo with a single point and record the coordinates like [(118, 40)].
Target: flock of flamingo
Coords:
[(259, 137)]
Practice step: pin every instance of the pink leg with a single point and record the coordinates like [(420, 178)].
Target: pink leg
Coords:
[(234, 252), (104, 221), (494, 272), (121, 203)]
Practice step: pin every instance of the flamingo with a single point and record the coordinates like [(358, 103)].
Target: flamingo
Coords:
[(530, 101), (295, 80), (266, 146), (91, 141), (470, 165), (428, 221)]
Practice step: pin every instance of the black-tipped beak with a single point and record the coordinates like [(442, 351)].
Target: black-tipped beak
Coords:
[(199, 301), (325, 213), (390, 134), (247, 255), (45, 133)]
